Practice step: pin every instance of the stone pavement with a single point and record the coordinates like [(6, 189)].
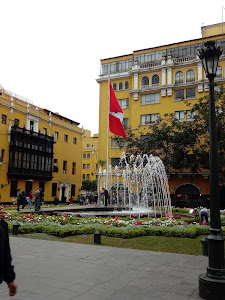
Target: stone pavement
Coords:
[(49, 270)]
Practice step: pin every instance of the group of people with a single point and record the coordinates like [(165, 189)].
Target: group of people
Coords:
[(22, 199)]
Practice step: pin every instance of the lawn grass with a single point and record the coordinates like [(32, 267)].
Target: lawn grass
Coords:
[(150, 243)]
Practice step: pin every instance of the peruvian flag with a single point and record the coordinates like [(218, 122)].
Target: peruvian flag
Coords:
[(115, 114)]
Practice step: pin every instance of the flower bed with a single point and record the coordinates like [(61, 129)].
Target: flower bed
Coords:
[(116, 227)]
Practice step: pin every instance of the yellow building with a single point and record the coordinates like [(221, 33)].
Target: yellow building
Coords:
[(39, 148), (152, 82), (89, 156)]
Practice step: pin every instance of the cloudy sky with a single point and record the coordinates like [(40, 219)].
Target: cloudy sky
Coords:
[(51, 49)]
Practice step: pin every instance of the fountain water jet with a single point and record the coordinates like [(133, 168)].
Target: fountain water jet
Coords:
[(138, 183)]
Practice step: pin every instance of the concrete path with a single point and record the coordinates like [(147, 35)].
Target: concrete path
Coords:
[(49, 270)]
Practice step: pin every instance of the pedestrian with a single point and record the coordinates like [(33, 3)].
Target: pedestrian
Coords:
[(7, 273), (24, 200), (71, 200), (96, 199), (106, 195), (204, 213), (41, 198), (37, 200), (56, 200), (30, 199), (19, 199)]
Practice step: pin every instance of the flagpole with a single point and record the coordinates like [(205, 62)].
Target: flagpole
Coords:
[(107, 169)]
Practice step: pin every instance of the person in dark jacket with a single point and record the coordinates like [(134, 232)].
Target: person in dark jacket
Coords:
[(7, 273), (106, 194), (19, 199)]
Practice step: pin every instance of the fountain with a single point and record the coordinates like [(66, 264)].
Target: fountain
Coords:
[(139, 184)]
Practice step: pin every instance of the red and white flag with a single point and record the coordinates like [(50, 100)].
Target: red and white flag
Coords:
[(115, 114)]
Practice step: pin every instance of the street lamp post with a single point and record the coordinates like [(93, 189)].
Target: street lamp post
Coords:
[(212, 284)]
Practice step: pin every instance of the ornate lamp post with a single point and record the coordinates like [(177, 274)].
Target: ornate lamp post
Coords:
[(212, 284)]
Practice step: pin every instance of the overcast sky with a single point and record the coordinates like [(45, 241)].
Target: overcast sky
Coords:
[(51, 49)]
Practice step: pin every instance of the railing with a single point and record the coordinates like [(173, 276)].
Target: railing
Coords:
[(150, 65), (146, 86), (154, 85), (183, 59), (14, 95)]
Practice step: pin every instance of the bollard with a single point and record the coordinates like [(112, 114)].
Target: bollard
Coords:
[(97, 237), (16, 226), (204, 242)]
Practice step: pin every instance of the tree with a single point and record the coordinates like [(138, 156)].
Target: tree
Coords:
[(89, 185), (182, 145)]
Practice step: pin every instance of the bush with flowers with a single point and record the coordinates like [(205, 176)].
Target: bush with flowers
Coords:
[(117, 227)]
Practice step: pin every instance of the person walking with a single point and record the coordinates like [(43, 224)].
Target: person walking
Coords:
[(30, 200), (37, 199), (19, 199), (7, 273), (41, 199)]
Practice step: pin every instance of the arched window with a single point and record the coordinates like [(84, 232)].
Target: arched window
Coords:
[(219, 72), (155, 80), (114, 86), (145, 82), (120, 86), (190, 76), (179, 77), (88, 155), (126, 85), (84, 156)]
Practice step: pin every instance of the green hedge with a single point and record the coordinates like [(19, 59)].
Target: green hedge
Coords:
[(191, 232)]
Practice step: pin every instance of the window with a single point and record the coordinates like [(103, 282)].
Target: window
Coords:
[(2, 156), (114, 86), (13, 188), (124, 103), (55, 165), (190, 76), (120, 86), (64, 166), (73, 168), (190, 93), (31, 125), (56, 136), (88, 156), (16, 122), (84, 156), (84, 166), (83, 176), (190, 115), (88, 166), (65, 138), (45, 131), (115, 161), (155, 81), (54, 189), (179, 94), (4, 119), (150, 98), (145, 82), (73, 190), (74, 140), (88, 176), (179, 115), (88, 145), (179, 77), (149, 119), (126, 85), (125, 123), (219, 72), (96, 166)]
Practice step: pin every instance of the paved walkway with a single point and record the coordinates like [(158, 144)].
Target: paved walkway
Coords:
[(49, 270)]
